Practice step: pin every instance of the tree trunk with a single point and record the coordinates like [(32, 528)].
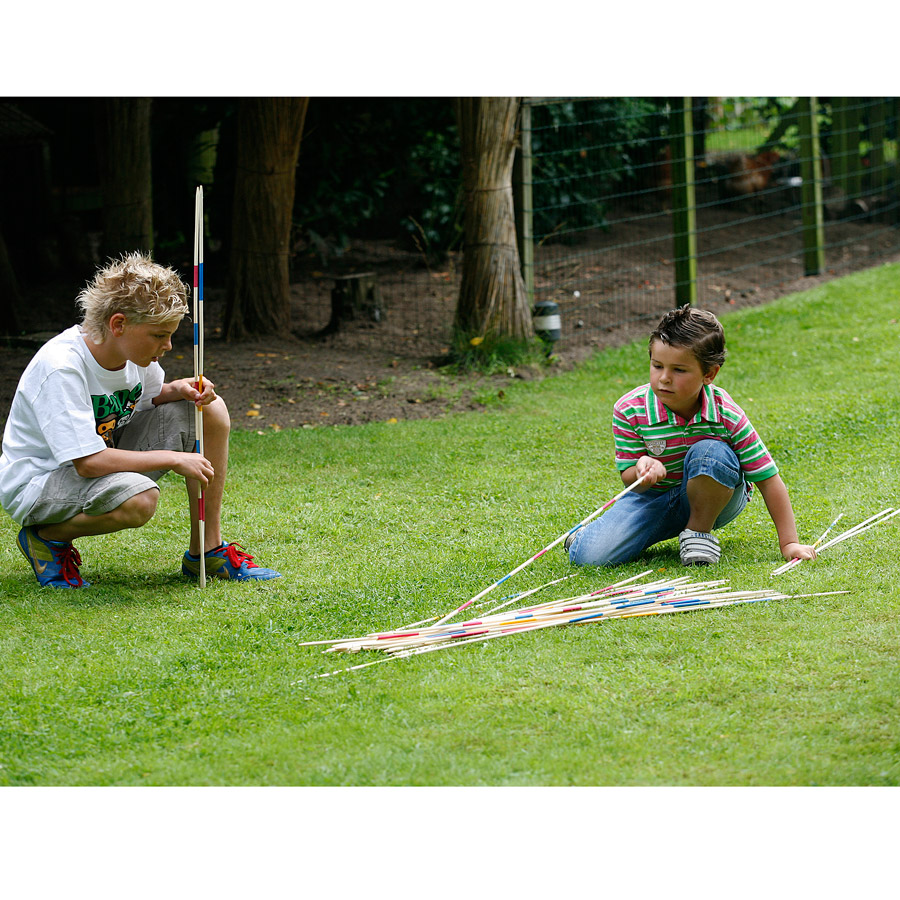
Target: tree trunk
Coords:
[(123, 137), (268, 145), (492, 296)]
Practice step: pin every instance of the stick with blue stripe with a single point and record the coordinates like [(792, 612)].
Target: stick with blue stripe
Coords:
[(538, 555), (198, 367)]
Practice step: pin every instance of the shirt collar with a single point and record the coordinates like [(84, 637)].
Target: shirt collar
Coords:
[(658, 412), (709, 410)]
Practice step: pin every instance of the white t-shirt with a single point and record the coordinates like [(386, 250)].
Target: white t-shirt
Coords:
[(66, 406)]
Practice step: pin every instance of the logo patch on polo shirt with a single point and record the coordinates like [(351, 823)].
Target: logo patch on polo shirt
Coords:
[(656, 448)]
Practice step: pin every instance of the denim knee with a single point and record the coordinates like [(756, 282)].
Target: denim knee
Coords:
[(622, 533), (715, 459), (589, 551)]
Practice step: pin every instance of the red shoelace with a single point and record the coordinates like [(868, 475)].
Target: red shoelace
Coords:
[(69, 560), (237, 557)]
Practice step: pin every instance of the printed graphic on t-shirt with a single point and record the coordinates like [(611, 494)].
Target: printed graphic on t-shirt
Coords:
[(111, 410)]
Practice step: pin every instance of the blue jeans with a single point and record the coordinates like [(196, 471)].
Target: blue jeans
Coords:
[(639, 520)]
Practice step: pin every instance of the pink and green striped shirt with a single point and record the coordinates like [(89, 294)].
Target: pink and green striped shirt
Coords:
[(644, 426)]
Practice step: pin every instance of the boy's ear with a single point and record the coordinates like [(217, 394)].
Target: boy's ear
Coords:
[(711, 374), (117, 324)]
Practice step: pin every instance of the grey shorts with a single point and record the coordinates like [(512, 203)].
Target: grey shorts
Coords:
[(169, 426)]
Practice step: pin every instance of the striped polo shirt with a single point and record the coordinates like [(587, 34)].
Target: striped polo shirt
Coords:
[(644, 426)]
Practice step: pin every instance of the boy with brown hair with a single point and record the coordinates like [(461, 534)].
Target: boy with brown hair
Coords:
[(696, 450), (93, 425)]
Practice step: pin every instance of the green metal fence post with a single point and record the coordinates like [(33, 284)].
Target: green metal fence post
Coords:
[(811, 189), (684, 207), (524, 199)]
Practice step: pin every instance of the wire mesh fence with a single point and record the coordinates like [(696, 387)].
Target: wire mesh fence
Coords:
[(414, 304), (602, 192), (603, 195)]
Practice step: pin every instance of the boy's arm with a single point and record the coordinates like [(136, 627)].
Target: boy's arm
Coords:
[(778, 503), (184, 389), (110, 460), (190, 465)]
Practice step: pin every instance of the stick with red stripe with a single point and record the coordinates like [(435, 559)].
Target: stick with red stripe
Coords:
[(198, 367)]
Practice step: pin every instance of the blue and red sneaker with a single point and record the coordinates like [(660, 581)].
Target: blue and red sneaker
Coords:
[(55, 563), (230, 561)]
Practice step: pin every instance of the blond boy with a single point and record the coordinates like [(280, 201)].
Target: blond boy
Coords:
[(94, 425)]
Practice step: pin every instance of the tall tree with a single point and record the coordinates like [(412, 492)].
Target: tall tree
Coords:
[(123, 139), (492, 296), (269, 131)]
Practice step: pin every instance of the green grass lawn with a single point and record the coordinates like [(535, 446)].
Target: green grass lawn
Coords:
[(145, 680)]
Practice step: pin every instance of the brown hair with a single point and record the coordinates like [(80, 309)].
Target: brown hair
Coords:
[(696, 329), (137, 287)]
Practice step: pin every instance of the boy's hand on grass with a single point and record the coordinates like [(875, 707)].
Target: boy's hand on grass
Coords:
[(794, 550)]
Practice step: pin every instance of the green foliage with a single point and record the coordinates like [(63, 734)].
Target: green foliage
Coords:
[(143, 679), (433, 172), (339, 207), (373, 167), (738, 113), (583, 150), (866, 110)]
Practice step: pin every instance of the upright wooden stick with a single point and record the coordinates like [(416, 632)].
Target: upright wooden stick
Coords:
[(198, 367)]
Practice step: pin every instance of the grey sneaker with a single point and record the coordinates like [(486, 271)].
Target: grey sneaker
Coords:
[(698, 548)]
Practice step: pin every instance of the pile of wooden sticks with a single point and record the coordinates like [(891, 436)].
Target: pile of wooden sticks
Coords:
[(621, 600), (865, 525)]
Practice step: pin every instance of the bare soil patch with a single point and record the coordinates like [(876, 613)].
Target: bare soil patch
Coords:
[(393, 369)]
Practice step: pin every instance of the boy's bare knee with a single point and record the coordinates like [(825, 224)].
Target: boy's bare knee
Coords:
[(139, 509), (706, 485), (216, 415)]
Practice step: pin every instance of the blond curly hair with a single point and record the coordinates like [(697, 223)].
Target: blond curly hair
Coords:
[(137, 287)]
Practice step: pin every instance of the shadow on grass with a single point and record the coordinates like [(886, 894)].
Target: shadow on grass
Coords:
[(663, 555), (105, 590)]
